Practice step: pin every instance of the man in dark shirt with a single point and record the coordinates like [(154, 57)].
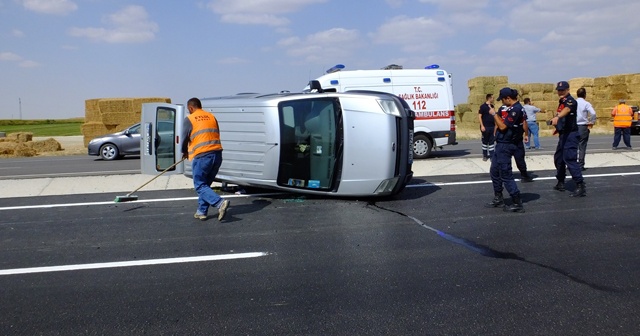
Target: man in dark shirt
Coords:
[(487, 127), (566, 155), (509, 134)]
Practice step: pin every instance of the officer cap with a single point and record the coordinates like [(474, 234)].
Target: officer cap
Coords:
[(507, 92), (562, 86)]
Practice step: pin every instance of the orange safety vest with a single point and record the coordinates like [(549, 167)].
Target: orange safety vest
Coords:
[(622, 116), (205, 134)]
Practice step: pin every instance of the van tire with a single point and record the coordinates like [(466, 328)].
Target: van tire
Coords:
[(422, 146)]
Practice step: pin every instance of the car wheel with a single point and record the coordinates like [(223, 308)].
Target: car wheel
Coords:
[(109, 152), (422, 146)]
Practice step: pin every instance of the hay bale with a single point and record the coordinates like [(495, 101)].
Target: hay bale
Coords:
[(91, 110), (477, 82), (20, 136), (603, 108), (7, 147), (47, 145), (463, 110), (476, 99), (482, 82), (536, 96), (633, 78), (532, 87), (137, 102), (110, 105), (600, 82), (119, 118), (22, 150), (634, 89), (616, 79), (618, 91), (577, 83), (600, 95), (95, 128)]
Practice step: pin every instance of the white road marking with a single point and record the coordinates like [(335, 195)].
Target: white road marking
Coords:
[(422, 185), (62, 205), (438, 184), (63, 268)]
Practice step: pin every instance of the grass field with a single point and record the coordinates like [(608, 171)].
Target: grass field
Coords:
[(43, 128)]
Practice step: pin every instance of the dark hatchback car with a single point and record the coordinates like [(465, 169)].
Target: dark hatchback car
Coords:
[(116, 145)]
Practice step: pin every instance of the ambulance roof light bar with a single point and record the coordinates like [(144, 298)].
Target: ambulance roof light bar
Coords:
[(432, 66), (335, 68)]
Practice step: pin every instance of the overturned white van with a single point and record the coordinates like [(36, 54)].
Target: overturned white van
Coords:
[(315, 143), (428, 92)]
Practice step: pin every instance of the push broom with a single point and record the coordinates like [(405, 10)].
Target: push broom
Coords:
[(129, 197)]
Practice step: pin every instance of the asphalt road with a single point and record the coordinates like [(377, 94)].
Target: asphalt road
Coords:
[(432, 261), (84, 165)]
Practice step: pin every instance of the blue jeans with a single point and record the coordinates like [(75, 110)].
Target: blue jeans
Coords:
[(533, 132), (625, 133), (205, 167)]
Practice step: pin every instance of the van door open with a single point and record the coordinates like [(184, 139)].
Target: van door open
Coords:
[(160, 148)]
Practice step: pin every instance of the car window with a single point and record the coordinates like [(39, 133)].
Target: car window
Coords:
[(135, 129), (164, 126)]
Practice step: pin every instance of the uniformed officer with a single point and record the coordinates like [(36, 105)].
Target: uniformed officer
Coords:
[(521, 164), (508, 134), (566, 155)]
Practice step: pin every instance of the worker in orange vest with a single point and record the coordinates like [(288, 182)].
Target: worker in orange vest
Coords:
[(201, 144), (622, 116)]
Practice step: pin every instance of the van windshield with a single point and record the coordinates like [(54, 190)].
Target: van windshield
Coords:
[(311, 143)]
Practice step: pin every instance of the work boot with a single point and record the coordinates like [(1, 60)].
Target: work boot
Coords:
[(526, 178), (222, 211), (497, 201), (559, 186), (580, 191), (516, 205)]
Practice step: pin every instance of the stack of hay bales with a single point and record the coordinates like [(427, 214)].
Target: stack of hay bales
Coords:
[(603, 93), (22, 144), (478, 89), (110, 115), (607, 91)]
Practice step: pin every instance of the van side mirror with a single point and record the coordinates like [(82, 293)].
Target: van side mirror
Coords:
[(315, 85)]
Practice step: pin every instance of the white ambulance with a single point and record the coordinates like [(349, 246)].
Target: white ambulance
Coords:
[(428, 91)]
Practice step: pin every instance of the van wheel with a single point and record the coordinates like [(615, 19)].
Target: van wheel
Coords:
[(422, 146)]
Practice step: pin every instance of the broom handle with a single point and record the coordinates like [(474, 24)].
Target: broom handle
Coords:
[(155, 177)]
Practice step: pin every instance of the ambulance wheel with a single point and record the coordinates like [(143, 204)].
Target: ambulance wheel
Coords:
[(422, 146)]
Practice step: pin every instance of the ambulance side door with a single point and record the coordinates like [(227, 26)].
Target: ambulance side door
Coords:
[(161, 138)]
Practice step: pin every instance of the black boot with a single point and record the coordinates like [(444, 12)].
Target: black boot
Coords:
[(526, 177), (559, 186), (497, 201), (580, 191), (516, 206)]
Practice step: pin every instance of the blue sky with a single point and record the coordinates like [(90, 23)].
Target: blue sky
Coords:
[(55, 54)]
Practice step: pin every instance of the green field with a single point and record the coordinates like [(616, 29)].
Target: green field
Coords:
[(43, 128)]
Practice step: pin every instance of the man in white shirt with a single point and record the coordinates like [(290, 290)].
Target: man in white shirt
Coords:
[(532, 123), (585, 119)]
